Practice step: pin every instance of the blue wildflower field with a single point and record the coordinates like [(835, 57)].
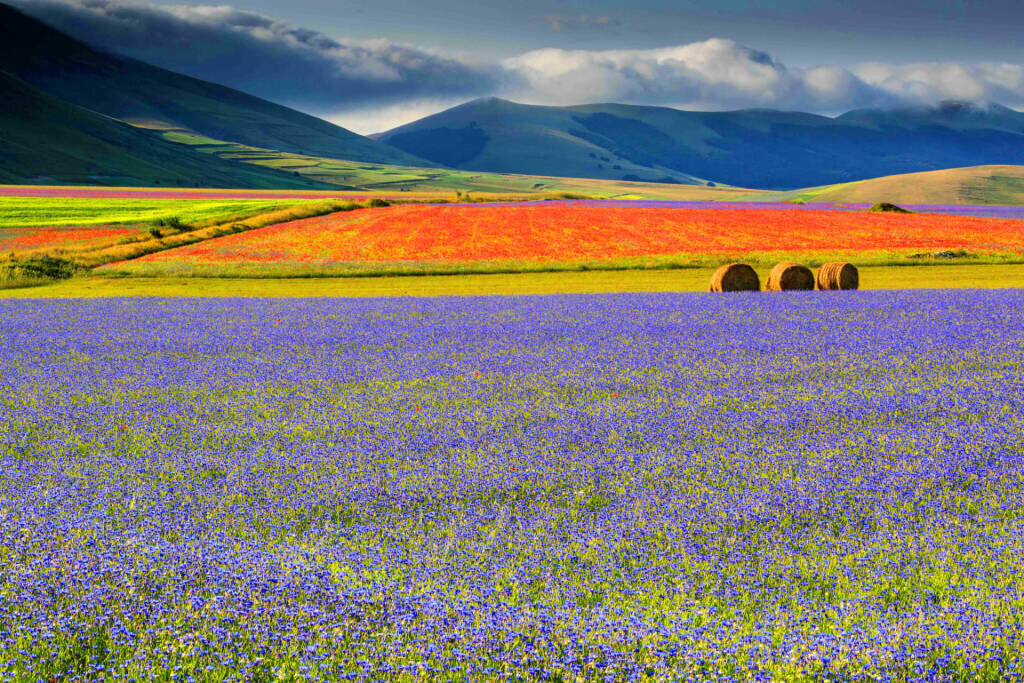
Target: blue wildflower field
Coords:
[(800, 486)]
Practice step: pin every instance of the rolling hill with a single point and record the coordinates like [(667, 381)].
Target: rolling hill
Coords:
[(148, 96), (972, 185), (393, 178), (750, 148), (43, 139), (492, 134)]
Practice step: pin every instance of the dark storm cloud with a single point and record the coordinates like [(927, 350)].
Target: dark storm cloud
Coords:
[(300, 67)]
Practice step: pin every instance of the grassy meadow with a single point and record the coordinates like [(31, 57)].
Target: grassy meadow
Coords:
[(389, 178), (21, 212), (999, 185), (988, 276)]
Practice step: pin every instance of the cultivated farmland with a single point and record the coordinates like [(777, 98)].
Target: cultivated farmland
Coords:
[(571, 235), (632, 487), (979, 276), (14, 240), (19, 212)]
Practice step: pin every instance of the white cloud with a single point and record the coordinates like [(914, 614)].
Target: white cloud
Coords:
[(379, 119), (928, 83), (833, 87), (711, 74), (720, 74), (714, 69)]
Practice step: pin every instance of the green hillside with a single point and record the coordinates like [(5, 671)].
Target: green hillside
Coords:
[(971, 185), (391, 178), (142, 94), (750, 148), (45, 140), (492, 134), (79, 211)]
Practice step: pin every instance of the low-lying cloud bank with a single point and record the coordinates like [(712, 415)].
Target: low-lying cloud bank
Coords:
[(722, 74), (712, 74), (348, 81)]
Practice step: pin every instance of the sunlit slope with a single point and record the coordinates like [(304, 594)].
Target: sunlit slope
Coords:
[(970, 185), (43, 139), (28, 212), (406, 181)]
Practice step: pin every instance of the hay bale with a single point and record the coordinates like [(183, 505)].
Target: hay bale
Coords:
[(838, 276), (788, 276), (888, 207), (735, 277)]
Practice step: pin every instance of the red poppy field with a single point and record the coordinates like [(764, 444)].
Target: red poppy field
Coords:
[(17, 240), (423, 237)]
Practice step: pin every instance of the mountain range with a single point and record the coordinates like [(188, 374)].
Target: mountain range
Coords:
[(71, 113), (749, 148)]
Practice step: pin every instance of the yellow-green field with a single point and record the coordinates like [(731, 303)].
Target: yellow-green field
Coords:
[(16, 212), (969, 185), (677, 280)]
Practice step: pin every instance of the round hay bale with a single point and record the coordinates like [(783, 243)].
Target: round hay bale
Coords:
[(838, 276), (888, 207), (735, 277), (788, 276)]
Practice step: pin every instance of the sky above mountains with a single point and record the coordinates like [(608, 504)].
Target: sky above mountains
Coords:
[(371, 66)]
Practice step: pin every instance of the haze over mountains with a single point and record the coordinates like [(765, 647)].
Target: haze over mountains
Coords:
[(749, 148), (72, 113)]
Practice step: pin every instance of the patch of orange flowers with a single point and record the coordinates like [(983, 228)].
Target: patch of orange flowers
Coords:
[(578, 233), (26, 239)]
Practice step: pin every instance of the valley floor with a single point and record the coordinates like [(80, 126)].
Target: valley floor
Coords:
[(985, 276)]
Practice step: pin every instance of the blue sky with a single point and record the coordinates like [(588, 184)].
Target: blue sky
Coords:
[(807, 32), (372, 65)]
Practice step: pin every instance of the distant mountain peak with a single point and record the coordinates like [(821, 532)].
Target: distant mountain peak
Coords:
[(968, 106), (492, 99), (764, 148), (956, 105)]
